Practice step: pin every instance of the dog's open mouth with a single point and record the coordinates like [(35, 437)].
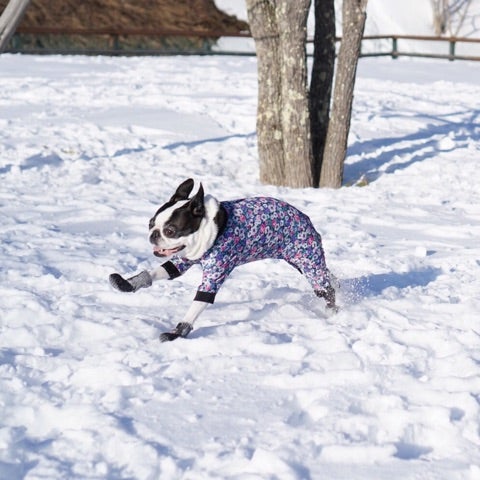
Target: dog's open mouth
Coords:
[(166, 252)]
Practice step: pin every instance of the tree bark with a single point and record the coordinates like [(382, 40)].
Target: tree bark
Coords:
[(263, 27), (292, 27), (10, 19), (354, 16), (283, 124), (321, 80)]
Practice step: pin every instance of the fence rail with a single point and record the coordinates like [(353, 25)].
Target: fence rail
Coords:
[(396, 52), (146, 32), (116, 34)]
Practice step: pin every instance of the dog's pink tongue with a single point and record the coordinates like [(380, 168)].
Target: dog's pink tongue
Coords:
[(160, 251), (164, 252)]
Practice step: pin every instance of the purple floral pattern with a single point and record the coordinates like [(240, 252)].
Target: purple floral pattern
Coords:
[(260, 228)]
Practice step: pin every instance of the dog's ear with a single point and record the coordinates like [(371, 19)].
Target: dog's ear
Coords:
[(197, 206), (183, 191)]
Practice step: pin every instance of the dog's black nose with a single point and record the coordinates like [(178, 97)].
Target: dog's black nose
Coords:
[(155, 235)]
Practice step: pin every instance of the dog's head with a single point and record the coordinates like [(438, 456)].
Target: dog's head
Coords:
[(184, 224)]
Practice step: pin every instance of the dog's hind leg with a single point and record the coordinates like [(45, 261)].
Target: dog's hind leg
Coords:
[(328, 293)]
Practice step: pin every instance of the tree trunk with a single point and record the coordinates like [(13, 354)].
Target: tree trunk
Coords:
[(9, 20), (283, 124), (321, 80), (292, 27), (263, 26), (354, 16)]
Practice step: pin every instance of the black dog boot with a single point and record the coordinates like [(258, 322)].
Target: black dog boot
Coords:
[(132, 284), (329, 295), (181, 330)]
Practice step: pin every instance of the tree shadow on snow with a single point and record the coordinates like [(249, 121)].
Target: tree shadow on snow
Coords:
[(387, 155), (355, 289)]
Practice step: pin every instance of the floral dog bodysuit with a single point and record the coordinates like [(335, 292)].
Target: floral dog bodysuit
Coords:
[(258, 228)]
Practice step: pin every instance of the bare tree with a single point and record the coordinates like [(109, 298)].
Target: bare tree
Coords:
[(321, 80), (9, 20), (354, 16), (300, 142), (449, 15), (283, 123)]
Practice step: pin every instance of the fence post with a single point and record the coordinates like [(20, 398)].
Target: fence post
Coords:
[(452, 50), (394, 48), (116, 42)]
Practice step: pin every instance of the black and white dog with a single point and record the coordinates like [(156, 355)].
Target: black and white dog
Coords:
[(222, 235)]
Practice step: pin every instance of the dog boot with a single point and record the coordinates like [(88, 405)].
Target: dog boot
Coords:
[(132, 284), (329, 295), (181, 330)]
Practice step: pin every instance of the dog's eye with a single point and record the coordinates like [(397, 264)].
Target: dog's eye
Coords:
[(151, 223), (169, 232)]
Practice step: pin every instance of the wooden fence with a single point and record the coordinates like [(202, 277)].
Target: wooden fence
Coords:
[(395, 52), (117, 36)]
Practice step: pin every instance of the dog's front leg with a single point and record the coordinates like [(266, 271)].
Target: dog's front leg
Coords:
[(132, 284), (141, 280), (186, 326)]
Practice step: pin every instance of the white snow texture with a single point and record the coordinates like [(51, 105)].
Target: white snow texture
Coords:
[(266, 386)]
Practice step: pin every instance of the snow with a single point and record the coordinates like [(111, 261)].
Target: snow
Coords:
[(267, 386), (386, 17)]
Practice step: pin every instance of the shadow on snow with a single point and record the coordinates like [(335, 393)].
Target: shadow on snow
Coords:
[(356, 289), (387, 155)]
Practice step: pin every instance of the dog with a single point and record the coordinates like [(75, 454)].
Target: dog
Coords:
[(222, 235)]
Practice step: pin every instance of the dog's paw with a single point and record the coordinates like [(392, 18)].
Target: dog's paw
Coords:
[(332, 310), (181, 330), (168, 337), (119, 283), (329, 295)]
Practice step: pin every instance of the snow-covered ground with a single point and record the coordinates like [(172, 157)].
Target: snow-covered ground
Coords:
[(267, 386)]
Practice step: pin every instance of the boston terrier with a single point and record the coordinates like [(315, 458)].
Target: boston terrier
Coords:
[(219, 236)]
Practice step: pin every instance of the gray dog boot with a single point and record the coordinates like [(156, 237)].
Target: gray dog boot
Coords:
[(132, 284)]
